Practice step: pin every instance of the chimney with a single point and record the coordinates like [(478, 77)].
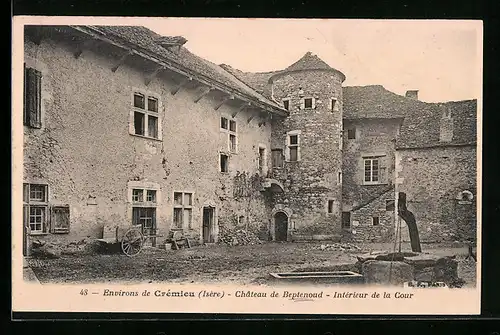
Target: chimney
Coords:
[(412, 94), (446, 124)]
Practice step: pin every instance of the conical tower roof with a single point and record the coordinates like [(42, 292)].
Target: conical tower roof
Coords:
[(308, 62)]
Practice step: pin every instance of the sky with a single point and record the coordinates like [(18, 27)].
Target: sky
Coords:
[(441, 59)]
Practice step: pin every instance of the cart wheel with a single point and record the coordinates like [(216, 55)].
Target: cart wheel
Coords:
[(132, 242)]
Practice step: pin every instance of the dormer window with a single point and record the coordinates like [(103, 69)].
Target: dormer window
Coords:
[(171, 41)]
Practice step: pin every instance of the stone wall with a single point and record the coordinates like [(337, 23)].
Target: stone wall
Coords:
[(373, 137), (87, 156), (362, 226), (433, 178), (314, 180)]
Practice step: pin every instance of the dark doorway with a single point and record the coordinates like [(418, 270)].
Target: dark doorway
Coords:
[(208, 224), (280, 226), (346, 220)]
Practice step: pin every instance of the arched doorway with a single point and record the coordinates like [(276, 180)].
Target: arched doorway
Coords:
[(280, 226)]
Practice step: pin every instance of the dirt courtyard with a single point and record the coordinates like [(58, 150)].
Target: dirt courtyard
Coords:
[(250, 264)]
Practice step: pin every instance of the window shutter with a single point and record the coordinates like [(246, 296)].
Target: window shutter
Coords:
[(302, 103), (60, 220), (26, 193), (313, 103), (26, 212), (383, 170), (287, 149), (33, 96), (298, 148)]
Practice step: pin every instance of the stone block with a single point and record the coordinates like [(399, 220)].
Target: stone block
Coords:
[(386, 273), (422, 260)]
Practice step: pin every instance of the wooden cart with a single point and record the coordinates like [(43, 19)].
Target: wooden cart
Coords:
[(131, 239)]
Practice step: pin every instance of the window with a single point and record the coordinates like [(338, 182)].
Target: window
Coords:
[(262, 160), (330, 206), (232, 142), (339, 177), (334, 105), (35, 207), (351, 133), (145, 116), (375, 221), (293, 147), (389, 205), (224, 163), (183, 210), (137, 195), (32, 98), (223, 123), (232, 126), (151, 195), (308, 103), (371, 170), (277, 158), (286, 104), (144, 209), (229, 127), (144, 216)]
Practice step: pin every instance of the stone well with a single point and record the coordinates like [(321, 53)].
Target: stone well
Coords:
[(400, 267)]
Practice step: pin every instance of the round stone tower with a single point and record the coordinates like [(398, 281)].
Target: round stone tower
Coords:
[(310, 139)]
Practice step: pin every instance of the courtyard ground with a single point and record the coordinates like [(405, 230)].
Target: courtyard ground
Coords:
[(250, 264)]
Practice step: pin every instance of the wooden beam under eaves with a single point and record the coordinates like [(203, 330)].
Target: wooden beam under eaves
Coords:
[(219, 105), (181, 85), (205, 92), (122, 60), (244, 106), (87, 44), (151, 76), (251, 118)]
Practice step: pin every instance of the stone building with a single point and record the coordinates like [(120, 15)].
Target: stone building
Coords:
[(123, 126), (436, 167)]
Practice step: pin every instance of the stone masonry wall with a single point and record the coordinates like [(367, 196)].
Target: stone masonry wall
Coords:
[(87, 156), (312, 181), (362, 227), (372, 137), (432, 179)]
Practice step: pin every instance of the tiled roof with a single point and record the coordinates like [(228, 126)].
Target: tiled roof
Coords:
[(421, 126), (259, 81), (374, 101), (149, 42), (309, 62)]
